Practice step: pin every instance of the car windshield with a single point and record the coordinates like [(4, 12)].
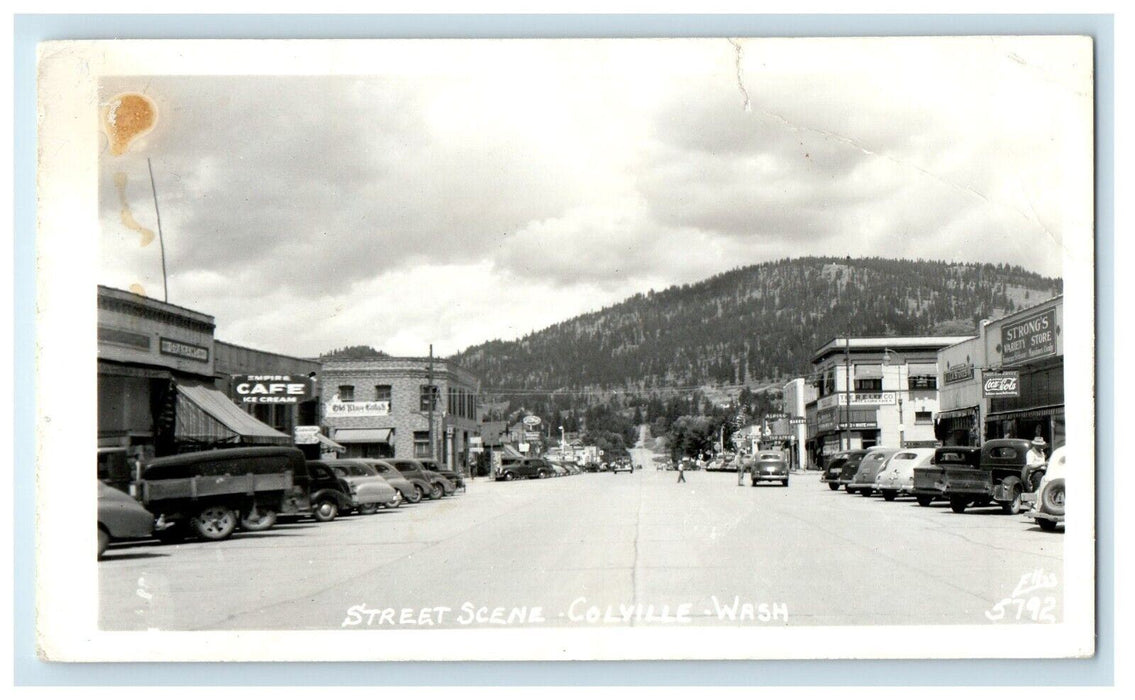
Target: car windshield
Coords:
[(341, 471)]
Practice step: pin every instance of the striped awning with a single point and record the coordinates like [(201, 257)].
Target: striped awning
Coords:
[(208, 416), (329, 443)]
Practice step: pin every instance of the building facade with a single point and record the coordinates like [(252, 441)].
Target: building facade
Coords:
[(381, 407), (797, 395), (277, 390), (874, 391), (961, 409)]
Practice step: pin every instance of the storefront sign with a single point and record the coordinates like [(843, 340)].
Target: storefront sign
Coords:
[(271, 388), (859, 425), (121, 337), (885, 398), (532, 421), (531, 436), (1028, 338), (1000, 384), (958, 373), (798, 420), (335, 409), (177, 348), (919, 443), (775, 416), (827, 402), (306, 434)]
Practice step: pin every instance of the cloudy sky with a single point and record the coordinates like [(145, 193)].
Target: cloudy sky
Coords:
[(452, 193)]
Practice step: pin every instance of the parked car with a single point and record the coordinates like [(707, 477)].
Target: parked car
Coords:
[(850, 466), (395, 478), (930, 480), (897, 475), (873, 462), (430, 484), (830, 475), (121, 517), (768, 465), (531, 468), (1002, 477), (559, 469), (434, 466), (368, 490), (209, 493), (1047, 502), (329, 493)]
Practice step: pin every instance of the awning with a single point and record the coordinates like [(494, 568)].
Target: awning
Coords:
[(363, 434), (207, 415), (922, 369), (956, 413), (328, 442), (508, 451), (1027, 413), (868, 372)]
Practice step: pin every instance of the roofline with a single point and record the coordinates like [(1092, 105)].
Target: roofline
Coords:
[(268, 352), (145, 300), (884, 342)]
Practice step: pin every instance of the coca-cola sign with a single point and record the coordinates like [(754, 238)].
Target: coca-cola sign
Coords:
[(999, 384)]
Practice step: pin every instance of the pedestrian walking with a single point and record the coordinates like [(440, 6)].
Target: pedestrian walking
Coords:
[(740, 460), (681, 471)]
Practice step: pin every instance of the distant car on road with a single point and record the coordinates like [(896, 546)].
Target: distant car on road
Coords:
[(622, 465), (768, 465), (532, 468)]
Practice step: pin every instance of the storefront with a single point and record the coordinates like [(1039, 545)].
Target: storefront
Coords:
[(1024, 384), (959, 420)]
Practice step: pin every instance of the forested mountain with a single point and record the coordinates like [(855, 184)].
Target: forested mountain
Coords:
[(751, 325)]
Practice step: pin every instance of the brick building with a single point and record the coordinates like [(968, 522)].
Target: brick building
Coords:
[(380, 407)]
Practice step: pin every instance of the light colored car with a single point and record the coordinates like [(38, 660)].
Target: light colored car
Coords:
[(369, 491), (1048, 500), (873, 462), (121, 518), (768, 466), (410, 494), (897, 475)]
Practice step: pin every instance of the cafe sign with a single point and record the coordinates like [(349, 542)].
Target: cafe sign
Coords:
[(1029, 338), (1001, 384), (271, 388)]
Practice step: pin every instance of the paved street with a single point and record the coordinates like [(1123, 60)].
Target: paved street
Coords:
[(596, 549)]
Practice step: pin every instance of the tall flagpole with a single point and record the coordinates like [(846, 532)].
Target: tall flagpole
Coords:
[(161, 240)]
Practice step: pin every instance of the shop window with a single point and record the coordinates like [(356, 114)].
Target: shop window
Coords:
[(422, 444), (923, 417), (346, 392), (382, 393), (872, 384), (923, 382), (424, 392)]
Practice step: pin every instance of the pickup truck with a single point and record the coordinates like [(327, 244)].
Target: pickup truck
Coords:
[(1003, 476), (930, 481), (211, 492)]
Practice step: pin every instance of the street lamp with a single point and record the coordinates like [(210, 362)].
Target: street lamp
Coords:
[(563, 446)]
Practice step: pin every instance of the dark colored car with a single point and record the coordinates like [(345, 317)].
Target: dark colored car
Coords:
[(121, 517), (850, 467), (434, 466), (768, 466), (930, 481), (532, 468), (329, 494), (1003, 477), (831, 473), (432, 486), (387, 471)]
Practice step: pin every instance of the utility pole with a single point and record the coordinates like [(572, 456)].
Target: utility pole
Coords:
[(430, 390), (847, 390)]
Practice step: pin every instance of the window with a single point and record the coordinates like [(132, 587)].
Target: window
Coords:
[(424, 397), (382, 393), (923, 417), (922, 382), (346, 392), (422, 444), (871, 384)]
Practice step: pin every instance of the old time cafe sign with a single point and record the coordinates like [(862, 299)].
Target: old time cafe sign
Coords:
[(1029, 338), (271, 388)]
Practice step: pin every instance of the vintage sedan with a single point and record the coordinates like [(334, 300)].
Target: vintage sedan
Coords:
[(121, 518), (434, 466), (873, 462), (768, 466), (830, 475), (1047, 501), (897, 475), (368, 490), (429, 484), (410, 494), (533, 468), (850, 467)]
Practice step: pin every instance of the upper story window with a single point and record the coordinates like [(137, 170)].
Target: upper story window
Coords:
[(870, 384), (424, 397), (346, 392), (382, 393)]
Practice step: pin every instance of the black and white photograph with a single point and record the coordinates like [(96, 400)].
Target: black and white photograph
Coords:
[(581, 349)]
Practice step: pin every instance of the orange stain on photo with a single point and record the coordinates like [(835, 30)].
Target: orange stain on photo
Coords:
[(127, 117), (126, 215)]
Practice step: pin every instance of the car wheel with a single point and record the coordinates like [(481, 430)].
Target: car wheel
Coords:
[(784, 483), (1046, 524), (866, 492), (104, 540), (417, 494), (542, 475), (958, 505), (509, 476), (833, 485), (325, 511), (1052, 498), (435, 492), (924, 501), (258, 519), (368, 509), (215, 522), (889, 495), (1013, 507)]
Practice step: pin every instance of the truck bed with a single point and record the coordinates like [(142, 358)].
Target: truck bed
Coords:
[(194, 488), (963, 480)]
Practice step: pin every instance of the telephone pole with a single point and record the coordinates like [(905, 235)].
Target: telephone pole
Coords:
[(430, 391), (847, 390)]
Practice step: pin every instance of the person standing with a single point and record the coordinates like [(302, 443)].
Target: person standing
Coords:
[(740, 460), (682, 471)]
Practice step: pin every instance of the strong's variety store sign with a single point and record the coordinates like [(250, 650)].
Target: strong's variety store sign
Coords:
[(1029, 338)]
